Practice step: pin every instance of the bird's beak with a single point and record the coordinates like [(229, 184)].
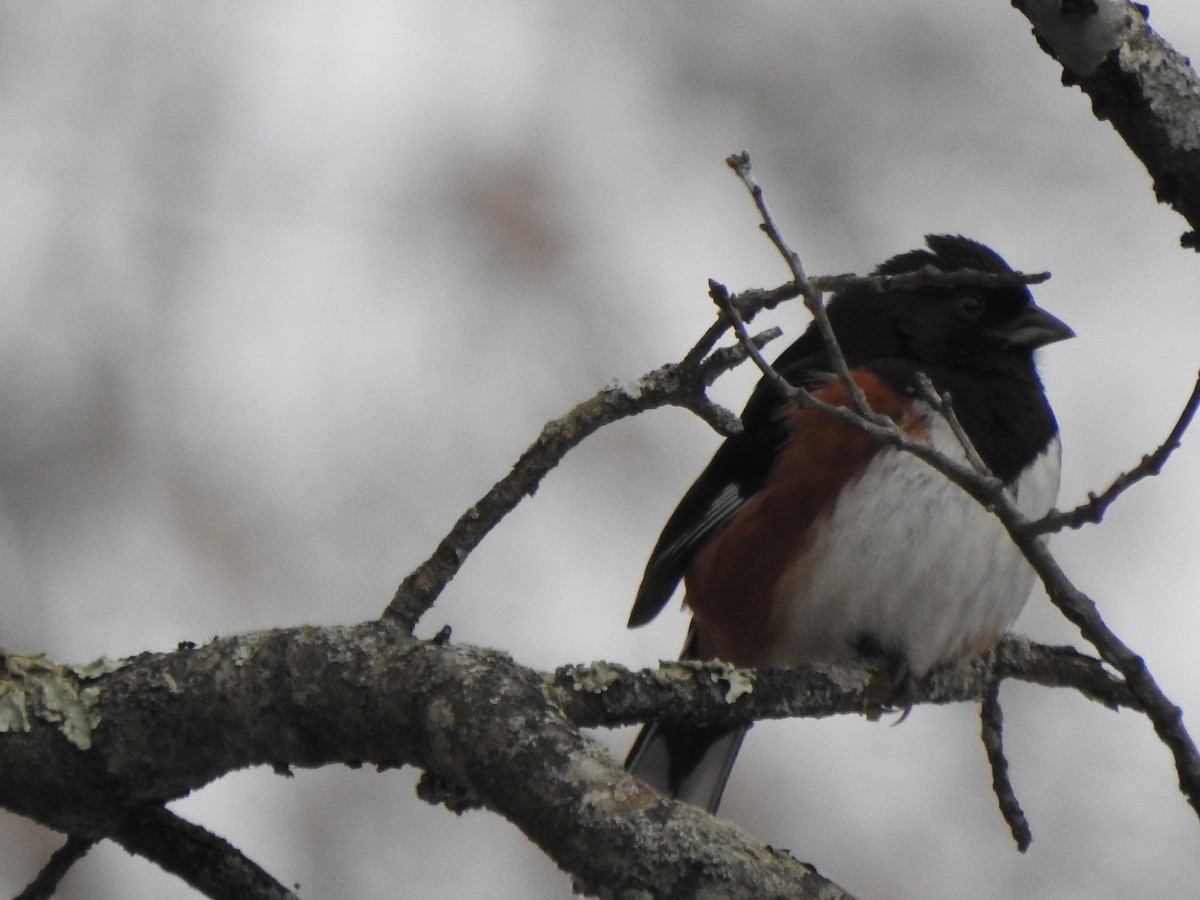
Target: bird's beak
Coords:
[(1036, 328)]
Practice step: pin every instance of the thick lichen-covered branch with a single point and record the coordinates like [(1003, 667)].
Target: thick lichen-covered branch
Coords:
[(166, 724), (1136, 81)]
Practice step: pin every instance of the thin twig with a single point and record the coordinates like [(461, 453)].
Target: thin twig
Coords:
[(983, 488), (57, 866), (992, 729), (926, 276), (1056, 667), (681, 384), (751, 301), (740, 163), (943, 404), (720, 419), (721, 297), (1092, 511)]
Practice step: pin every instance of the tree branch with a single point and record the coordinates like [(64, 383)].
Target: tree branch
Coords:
[(1092, 510), (1135, 80), (681, 384), (166, 724), (813, 299), (992, 730), (46, 883), (604, 694), (210, 864)]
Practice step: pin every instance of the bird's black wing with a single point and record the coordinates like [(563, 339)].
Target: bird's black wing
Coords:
[(735, 474)]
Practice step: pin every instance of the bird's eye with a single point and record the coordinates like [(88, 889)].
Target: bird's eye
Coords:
[(970, 306)]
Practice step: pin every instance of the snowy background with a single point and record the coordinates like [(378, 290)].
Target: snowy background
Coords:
[(287, 286)]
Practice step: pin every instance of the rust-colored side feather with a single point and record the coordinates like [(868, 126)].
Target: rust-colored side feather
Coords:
[(731, 580)]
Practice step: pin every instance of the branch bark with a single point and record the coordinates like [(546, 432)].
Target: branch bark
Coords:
[(371, 693), (507, 734), (678, 384), (1136, 81)]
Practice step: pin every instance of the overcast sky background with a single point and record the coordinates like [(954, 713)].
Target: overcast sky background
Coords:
[(287, 286)]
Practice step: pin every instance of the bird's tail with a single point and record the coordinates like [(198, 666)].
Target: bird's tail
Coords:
[(686, 762)]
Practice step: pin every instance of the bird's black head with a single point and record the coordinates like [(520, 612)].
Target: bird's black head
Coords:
[(968, 326)]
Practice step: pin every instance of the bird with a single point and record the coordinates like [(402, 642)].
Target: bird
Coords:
[(805, 540)]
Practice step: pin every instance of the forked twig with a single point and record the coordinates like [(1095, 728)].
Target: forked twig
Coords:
[(679, 384), (740, 163), (1092, 510)]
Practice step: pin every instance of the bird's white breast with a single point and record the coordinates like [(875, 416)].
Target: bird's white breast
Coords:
[(909, 559)]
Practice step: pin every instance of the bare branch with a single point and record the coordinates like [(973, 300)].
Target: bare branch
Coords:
[(753, 300), (943, 404), (46, 883), (1136, 81), (208, 863), (720, 419), (721, 297), (1092, 511), (604, 694), (992, 722), (813, 300), (1081, 611), (740, 163), (681, 384), (924, 277), (166, 724)]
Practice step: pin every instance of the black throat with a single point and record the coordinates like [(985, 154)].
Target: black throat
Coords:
[(1004, 413)]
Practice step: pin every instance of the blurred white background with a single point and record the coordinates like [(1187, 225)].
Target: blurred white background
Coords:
[(286, 286)]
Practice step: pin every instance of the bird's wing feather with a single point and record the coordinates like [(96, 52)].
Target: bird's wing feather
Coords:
[(736, 473)]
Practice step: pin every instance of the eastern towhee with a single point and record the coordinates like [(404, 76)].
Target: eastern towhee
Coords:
[(805, 540)]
